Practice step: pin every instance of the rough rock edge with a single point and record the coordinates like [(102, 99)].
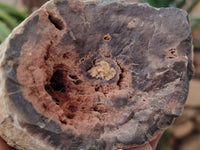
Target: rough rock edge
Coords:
[(9, 124), (21, 137)]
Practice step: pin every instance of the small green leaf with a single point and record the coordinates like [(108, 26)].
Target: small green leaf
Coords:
[(13, 11), (158, 3), (10, 21), (195, 20), (180, 4), (4, 31)]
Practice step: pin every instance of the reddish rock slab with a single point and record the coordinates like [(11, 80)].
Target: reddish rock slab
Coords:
[(93, 75)]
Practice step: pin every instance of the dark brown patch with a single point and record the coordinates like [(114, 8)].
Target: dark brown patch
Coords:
[(58, 23)]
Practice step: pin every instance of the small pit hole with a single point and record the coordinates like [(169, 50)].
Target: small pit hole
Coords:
[(172, 53), (44, 106), (63, 122), (57, 101), (70, 116), (77, 82), (73, 77), (78, 100), (96, 89), (107, 37), (120, 79), (57, 81), (47, 88), (72, 108), (65, 55), (99, 108), (56, 22), (95, 109), (130, 97)]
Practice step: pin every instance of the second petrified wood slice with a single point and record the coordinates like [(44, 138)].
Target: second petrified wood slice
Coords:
[(93, 75)]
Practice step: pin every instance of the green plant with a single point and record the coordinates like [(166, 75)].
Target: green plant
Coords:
[(165, 3), (158, 3), (168, 3), (164, 141), (10, 17)]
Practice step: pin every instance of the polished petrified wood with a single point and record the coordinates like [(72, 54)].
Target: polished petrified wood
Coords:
[(93, 75)]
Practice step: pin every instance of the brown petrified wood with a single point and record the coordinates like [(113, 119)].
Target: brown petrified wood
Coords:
[(93, 75)]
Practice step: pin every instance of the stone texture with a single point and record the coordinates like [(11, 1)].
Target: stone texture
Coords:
[(93, 75)]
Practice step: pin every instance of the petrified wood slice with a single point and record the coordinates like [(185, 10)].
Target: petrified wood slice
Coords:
[(93, 75)]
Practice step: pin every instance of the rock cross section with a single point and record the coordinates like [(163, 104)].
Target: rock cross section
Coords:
[(93, 75)]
